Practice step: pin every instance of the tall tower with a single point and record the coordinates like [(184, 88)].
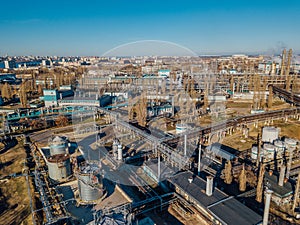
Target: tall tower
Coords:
[(288, 65), (282, 69)]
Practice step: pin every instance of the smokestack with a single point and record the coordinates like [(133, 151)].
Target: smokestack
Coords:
[(209, 185), (267, 207), (281, 175)]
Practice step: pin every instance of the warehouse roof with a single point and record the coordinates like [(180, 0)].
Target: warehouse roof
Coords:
[(233, 212), (227, 210), (223, 151)]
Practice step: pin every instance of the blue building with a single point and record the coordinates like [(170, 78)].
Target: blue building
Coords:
[(50, 97)]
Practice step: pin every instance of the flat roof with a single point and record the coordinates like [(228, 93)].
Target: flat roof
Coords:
[(233, 212), (197, 188), (272, 183), (226, 209), (224, 151)]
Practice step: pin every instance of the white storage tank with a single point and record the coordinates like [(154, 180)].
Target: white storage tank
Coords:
[(181, 128), (290, 143), (270, 134), (269, 151), (254, 152), (280, 147)]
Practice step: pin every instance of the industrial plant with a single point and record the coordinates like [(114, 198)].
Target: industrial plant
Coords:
[(167, 140)]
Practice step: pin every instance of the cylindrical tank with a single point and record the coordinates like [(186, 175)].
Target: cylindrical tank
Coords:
[(58, 145), (254, 152), (290, 143), (270, 134), (181, 128), (120, 152), (269, 151), (59, 167), (280, 147), (89, 183)]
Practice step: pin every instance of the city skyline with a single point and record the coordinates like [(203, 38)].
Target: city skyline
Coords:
[(94, 28)]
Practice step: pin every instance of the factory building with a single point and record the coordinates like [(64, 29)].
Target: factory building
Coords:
[(213, 204), (218, 152)]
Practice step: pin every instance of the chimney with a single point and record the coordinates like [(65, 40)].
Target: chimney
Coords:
[(281, 175), (190, 180), (267, 206), (209, 185)]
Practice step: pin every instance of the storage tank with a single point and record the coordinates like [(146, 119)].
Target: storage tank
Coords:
[(269, 151), (59, 167), (280, 147), (181, 128), (58, 145), (270, 134), (290, 143), (90, 183), (254, 152)]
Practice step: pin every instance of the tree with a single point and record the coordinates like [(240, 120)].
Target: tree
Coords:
[(243, 180), (40, 89), (61, 121), (23, 95), (228, 172), (141, 111), (6, 91), (259, 188)]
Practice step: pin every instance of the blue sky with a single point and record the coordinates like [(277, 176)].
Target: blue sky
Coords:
[(94, 27)]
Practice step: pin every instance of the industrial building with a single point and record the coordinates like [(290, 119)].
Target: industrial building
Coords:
[(216, 206)]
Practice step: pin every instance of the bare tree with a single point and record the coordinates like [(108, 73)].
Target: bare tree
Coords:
[(23, 95), (61, 121), (141, 111), (228, 172), (259, 188), (242, 180), (6, 92)]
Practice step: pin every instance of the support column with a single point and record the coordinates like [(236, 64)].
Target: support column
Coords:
[(267, 206), (199, 160), (185, 137)]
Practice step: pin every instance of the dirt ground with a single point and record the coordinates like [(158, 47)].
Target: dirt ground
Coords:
[(289, 129), (15, 207)]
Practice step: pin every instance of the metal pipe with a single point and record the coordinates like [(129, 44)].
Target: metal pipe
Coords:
[(281, 175), (199, 160), (209, 185), (185, 137), (158, 169)]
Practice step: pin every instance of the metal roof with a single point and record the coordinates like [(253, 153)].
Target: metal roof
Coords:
[(227, 210), (271, 181), (223, 151), (197, 189), (233, 212)]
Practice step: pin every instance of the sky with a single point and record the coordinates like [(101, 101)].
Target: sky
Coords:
[(94, 27)]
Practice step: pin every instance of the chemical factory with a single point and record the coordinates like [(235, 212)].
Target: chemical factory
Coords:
[(174, 149)]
